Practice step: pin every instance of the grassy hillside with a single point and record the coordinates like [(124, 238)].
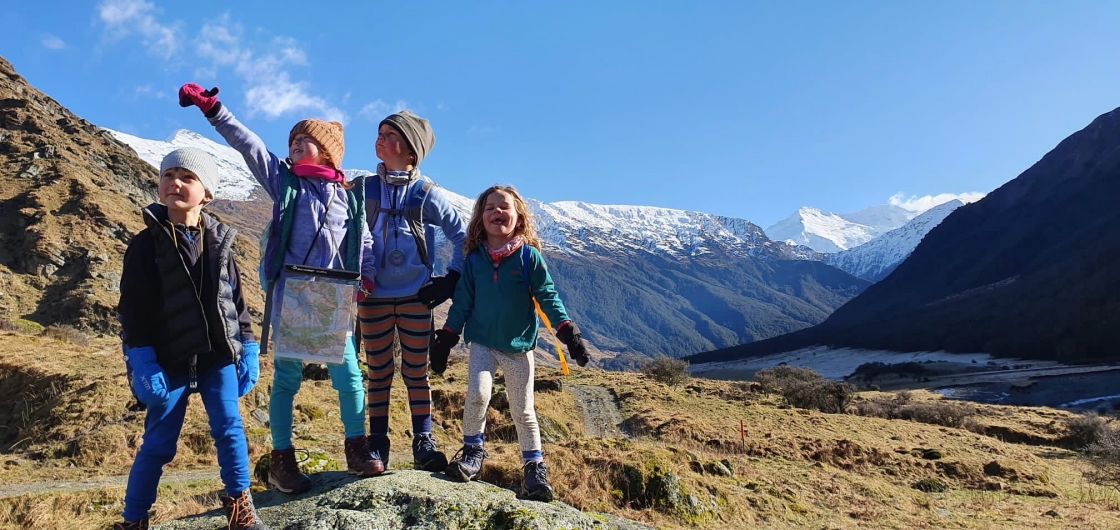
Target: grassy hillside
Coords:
[(64, 418)]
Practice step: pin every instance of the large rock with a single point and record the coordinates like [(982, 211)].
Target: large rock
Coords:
[(407, 499)]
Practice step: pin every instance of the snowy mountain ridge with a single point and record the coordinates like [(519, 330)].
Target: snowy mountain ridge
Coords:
[(876, 259), (831, 232), (566, 225)]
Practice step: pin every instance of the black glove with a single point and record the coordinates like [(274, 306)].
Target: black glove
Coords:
[(571, 338), (439, 289), (439, 349)]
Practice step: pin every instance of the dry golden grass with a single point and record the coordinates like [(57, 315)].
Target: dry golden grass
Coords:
[(796, 468)]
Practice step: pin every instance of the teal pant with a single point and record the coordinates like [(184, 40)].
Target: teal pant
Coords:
[(346, 378)]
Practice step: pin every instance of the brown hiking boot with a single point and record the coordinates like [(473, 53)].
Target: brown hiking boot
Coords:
[(136, 525), (359, 461), (284, 474), (241, 513)]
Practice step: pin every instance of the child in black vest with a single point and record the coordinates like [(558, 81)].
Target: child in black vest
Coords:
[(186, 330)]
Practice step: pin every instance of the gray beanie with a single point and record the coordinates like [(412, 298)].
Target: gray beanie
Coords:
[(196, 161), (416, 130)]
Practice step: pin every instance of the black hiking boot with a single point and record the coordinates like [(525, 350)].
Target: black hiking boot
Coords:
[(466, 465), (284, 474), (535, 486), (359, 459), (135, 525), (241, 513), (425, 454), (379, 448)]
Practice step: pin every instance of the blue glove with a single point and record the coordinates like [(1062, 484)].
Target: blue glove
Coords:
[(148, 382), (249, 369)]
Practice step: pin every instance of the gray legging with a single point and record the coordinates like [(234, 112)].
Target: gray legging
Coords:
[(518, 369)]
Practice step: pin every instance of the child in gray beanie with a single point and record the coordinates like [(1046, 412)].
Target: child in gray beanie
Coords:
[(403, 209), (186, 330)]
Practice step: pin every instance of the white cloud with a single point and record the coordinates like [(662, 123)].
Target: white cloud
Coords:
[(269, 88), (915, 203), (377, 109), (148, 91), (123, 18), (52, 42)]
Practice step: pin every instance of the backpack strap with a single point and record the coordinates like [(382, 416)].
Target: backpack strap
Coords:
[(413, 211), (525, 255)]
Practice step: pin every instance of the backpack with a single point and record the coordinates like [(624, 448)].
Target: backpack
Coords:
[(525, 253), (413, 211)]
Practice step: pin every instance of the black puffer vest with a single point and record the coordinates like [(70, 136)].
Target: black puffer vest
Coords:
[(194, 325)]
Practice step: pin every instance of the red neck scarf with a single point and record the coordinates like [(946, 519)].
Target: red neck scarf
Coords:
[(316, 171)]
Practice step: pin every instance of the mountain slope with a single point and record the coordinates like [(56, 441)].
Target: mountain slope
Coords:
[(1001, 275), (70, 199), (876, 259)]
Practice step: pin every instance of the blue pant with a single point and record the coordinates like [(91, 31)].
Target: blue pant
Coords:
[(218, 388), (346, 378)]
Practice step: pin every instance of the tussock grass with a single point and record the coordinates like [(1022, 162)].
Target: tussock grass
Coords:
[(790, 468)]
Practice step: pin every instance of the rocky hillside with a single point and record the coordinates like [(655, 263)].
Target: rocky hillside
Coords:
[(70, 196)]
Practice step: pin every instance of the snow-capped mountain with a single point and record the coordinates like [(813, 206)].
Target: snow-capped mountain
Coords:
[(569, 226), (876, 259), (236, 184), (830, 232), (640, 280)]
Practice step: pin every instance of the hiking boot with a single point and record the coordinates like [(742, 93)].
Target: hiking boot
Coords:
[(535, 486), (136, 525), (284, 474), (241, 513), (425, 454), (379, 448), (359, 461), (466, 465)]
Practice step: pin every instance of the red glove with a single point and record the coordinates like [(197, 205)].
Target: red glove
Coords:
[(365, 290), (192, 94)]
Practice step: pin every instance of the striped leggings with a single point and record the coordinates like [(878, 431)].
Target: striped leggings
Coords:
[(381, 321)]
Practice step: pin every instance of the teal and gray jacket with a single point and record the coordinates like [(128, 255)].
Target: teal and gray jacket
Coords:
[(495, 306)]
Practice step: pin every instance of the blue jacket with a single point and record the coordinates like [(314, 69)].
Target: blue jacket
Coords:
[(400, 270)]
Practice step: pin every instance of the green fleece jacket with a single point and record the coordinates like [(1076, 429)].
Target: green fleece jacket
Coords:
[(495, 304)]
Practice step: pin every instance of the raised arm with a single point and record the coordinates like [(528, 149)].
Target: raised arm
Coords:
[(264, 165)]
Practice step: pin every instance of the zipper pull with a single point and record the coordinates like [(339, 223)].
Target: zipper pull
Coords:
[(193, 372)]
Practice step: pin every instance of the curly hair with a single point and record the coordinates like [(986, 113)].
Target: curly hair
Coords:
[(476, 233)]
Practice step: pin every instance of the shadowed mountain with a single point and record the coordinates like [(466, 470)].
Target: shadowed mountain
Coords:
[(1030, 270)]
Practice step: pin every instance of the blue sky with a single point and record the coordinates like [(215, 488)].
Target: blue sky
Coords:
[(745, 109)]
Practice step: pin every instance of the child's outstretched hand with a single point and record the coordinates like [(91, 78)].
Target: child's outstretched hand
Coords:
[(569, 334), (193, 94), (439, 349), (249, 369)]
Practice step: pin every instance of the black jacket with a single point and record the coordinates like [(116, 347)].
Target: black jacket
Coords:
[(182, 295)]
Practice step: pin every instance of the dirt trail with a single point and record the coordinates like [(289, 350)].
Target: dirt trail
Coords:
[(95, 483), (599, 409)]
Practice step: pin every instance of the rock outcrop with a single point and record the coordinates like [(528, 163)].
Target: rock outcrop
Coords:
[(408, 499)]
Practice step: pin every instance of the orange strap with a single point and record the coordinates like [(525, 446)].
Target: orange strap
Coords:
[(559, 349)]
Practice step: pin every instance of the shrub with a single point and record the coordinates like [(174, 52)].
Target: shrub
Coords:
[(1084, 430), (66, 333), (903, 407), (806, 389), (666, 370), (1104, 455), (776, 380)]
